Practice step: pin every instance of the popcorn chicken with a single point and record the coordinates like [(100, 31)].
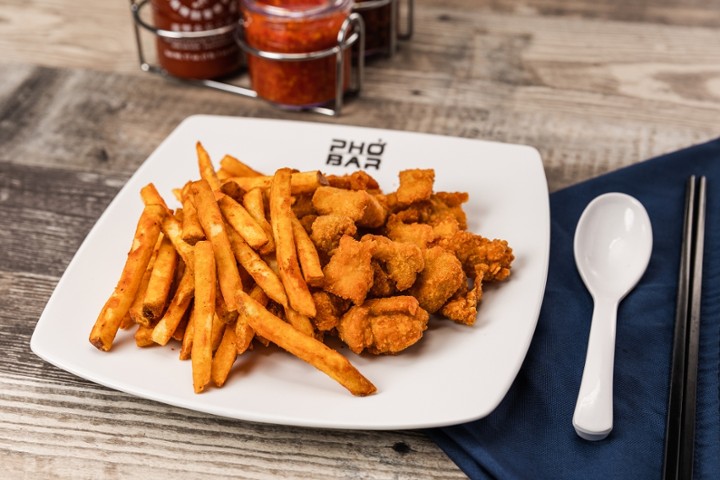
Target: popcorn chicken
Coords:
[(401, 261), (349, 273), (383, 325), (415, 186), (363, 208), (439, 280)]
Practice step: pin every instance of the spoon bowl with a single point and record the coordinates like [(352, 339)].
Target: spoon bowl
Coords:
[(613, 243)]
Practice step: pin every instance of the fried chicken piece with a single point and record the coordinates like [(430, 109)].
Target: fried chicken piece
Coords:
[(462, 307), (362, 207), (439, 207), (445, 227), (302, 205), (443, 206), (307, 222), (419, 234), (442, 276), (424, 223), (327, 230), (330, 308), (358, 180), (401, 261), (349, 273), (415, 185), (383, 285), (490, 259), (452, 199), (383, 325)]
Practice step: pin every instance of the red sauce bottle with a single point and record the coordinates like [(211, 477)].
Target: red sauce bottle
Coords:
[(197, 58), (377, 15), (295, 26)]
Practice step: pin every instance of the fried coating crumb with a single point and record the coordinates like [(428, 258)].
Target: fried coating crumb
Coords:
[(383, 325)]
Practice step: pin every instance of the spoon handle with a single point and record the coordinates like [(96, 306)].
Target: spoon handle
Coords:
[(593, 418)]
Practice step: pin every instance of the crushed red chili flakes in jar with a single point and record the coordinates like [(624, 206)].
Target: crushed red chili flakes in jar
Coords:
[(295, 26)]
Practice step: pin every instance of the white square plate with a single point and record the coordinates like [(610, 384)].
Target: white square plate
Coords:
[(454, 374)]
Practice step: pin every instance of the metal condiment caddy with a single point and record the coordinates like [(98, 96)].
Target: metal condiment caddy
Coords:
[(351, 36)]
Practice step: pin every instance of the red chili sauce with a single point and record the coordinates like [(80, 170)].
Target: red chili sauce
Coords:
[(198, 58), (295, 26)]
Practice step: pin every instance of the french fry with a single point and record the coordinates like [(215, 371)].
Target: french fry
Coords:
[(172, 229), (261, 273), (243, 223), (307, 255), (225, 356), (218, 326), (299, 321), (108, 322), (179, 332), (179, 304), (244, 333), (127, 322), (192, 231), (143, 336), (221, 310), (207, 171), (205, 278), (281, 218), (150, 196), (304, 347), (223, 175), (161, 279), (254, 203), (300, 182), (187, 340), (135, 313), (236, 168), (214, 226)]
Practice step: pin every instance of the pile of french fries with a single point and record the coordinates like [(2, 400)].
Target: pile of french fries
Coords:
[(183, 277)]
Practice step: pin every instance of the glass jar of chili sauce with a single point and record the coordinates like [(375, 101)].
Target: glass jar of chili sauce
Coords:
[(295, 26), (197, 58)]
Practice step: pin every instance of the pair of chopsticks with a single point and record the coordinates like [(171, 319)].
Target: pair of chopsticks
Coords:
[(680, 427)]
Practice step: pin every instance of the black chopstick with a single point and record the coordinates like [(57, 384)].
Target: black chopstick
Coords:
[(682, 400)]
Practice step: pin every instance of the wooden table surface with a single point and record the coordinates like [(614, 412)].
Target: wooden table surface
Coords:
[(593, 84)]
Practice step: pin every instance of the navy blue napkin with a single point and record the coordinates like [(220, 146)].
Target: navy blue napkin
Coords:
[(530, 434)]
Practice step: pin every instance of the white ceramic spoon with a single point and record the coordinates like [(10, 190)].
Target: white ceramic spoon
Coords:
[(613, 242)]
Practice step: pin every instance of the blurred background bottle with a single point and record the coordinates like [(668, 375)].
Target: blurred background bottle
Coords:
[(197, 58)]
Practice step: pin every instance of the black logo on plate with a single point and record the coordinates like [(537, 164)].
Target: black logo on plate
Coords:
[(351, 153)]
